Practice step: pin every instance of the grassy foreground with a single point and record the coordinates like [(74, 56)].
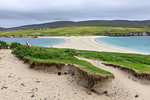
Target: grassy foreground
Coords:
[(42, 54), (75, 31)]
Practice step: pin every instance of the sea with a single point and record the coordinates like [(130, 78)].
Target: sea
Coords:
[(137, 43), (42, 42)]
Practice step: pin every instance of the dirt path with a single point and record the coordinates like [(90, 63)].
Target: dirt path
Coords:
[(19, 82), (122, 87)]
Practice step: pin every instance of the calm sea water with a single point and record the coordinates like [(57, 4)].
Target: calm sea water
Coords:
[(138, 43), (43, 42)]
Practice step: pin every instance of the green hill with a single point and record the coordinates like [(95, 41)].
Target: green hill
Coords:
[(2, 29), (78, 31), (104, 23)]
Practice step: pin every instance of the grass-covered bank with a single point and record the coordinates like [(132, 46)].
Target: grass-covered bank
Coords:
[(53, 55), (134, 61), (76, 31), (42, 54)]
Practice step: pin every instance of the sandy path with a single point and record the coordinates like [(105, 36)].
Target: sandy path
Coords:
[(18, 82), (88, 43), (122, 86)]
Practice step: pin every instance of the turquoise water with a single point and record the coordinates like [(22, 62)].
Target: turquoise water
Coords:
[(138, 43), (43, 42)]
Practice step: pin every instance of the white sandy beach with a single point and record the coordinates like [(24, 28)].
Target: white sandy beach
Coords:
[(88, 43)]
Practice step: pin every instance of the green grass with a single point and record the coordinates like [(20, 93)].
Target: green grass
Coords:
[(139, 67), (83, 64), (43, 54), (138, 62), (134, 61), (74, 31)]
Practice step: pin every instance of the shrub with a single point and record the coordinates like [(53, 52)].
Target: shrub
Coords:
[(14, 45), (3, 45), (70, 52), (22, 51), (136, 96)]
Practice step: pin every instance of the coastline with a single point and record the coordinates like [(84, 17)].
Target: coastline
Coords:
[(42, 81), (89, 43), (128, 49)]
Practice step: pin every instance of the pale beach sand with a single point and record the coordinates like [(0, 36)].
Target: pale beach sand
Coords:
[(19, 82)]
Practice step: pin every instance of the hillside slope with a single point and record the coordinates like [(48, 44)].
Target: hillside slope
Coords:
[(80, 31), (106, 23), (2, 29)]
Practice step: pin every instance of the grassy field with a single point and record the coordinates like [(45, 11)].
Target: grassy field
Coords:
[(74, 31), (42, 54)]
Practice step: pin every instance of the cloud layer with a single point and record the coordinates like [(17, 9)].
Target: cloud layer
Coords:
[(21, 12)]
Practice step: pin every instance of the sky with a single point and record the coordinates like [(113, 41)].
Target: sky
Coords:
[(23, 12)]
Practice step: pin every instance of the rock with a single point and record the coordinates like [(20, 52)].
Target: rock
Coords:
[(72, 74), (19, 78), (32, 95), (9, 76), (4, 87), (88, 92), (22, 84), (59, 73), (37, 81), (45, 99)]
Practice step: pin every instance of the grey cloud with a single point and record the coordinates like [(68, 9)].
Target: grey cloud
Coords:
[(37, 11)]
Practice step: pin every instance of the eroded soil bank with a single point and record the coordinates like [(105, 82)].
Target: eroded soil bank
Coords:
[(123, 87), (135, 73), (83, 77)]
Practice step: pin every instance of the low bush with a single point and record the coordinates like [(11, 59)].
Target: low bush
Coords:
[(3, 45), (14, 45)]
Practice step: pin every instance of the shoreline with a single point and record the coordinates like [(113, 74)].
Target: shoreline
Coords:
[(139, 52), (89, 43)]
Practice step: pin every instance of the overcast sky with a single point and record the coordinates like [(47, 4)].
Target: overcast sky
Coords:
[(23, 12)]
